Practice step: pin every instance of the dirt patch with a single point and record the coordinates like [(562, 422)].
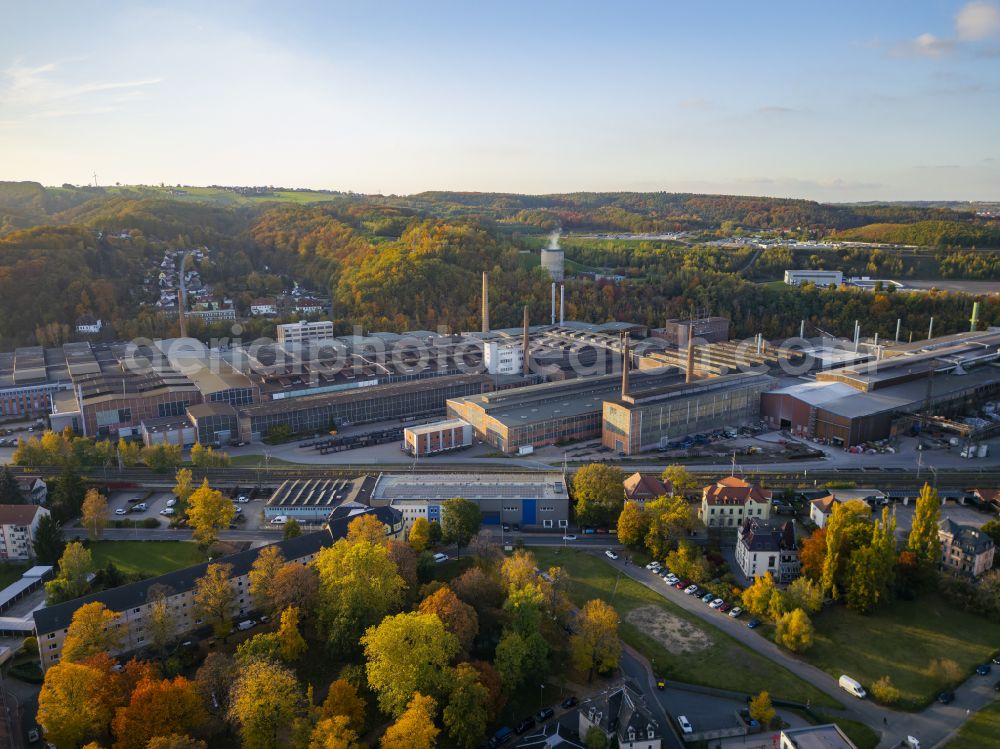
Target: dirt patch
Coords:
[(676, 634)]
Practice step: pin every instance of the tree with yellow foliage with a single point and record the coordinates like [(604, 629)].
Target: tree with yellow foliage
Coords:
[(342, 700), (208, 512), (175, 741), (334, 733), (794, 631), (93, 629), (415, 728), (214, 597), (368, 528), (420, 534), (594, 646), (183, 487), (290, 641), (70, 705), (264, 702), (761, 709), (261, 577), (95, 513)]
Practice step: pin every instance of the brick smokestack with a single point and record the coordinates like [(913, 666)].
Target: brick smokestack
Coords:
[(689, 369), (525, 369), (486, 302), (626, 363)]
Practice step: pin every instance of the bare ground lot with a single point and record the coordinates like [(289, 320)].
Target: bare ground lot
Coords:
[(672, 632)]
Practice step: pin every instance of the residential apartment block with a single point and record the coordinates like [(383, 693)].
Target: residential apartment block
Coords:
[(18, 524), (763, 548), (729, 501)]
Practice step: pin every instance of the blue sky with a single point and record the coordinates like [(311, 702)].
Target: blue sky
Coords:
[(831, 101)]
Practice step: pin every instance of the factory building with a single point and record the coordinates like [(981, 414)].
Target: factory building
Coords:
[(817, 277), (648, 417), (707, 329), (320, 413), (216, 424), (437, 437), (537, 501), (32, 376), (169, 430), (868, 401), (547, 414), (305, 332)]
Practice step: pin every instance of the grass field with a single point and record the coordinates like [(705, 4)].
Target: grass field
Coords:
[(982, 731), (723, 662), (902, 641), (146, 557)]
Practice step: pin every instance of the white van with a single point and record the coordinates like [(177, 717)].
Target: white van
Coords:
[(853, 686), (279, 520), (245, 625), (439, 557)]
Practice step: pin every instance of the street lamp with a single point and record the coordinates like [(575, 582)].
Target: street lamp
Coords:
[(541, 696)]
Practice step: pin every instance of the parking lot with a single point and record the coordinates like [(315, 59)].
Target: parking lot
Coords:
[(248, 517)]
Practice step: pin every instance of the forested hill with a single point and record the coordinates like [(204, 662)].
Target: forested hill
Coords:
[(399, 263)]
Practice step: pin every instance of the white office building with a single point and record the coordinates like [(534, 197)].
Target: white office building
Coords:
[(817, 277)]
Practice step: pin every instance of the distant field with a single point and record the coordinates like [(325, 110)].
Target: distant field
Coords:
[(227, 197), (981, 732), (699, 653), (146, 557), (902, 641)]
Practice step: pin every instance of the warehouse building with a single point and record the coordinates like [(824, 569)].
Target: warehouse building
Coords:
[(536, 501), (304, 332), (437, 437), (169, 430), (706, 329), (320, 413), (216, 424), (816, 277), (649, 417), (313, 500), (866, 401), (547, 414)]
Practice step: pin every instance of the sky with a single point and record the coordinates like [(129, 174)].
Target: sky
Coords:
[(832, 101)]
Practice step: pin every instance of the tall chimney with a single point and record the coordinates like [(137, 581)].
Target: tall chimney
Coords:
[(553, 303), (524, 344), (930, 330), (182, 313), (974, 320), (626, 363), (562, 303), (802, 329), (689, 368), (899, 322), (486, 303)]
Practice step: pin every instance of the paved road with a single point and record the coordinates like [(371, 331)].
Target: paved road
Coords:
[(932, 726)]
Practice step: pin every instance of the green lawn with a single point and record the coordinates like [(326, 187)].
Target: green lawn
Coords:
[(902, 641), (982, 731), (146, 557), (10, 573), (724, 663)]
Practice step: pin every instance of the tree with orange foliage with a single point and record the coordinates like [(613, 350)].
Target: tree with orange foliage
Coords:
[(812, 553), (158, 707), (70, 705), (458, 617)]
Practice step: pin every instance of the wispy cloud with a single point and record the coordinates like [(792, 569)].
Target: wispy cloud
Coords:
[(925, 45), (974, 23), (47, 91)]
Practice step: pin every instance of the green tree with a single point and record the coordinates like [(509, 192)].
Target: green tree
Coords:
[(599, 493), (846, 529), (49, 543), (66, 498), (208, 512), (804, 594), (594, 645), (214, 597), (688, 562), (419, 537), (10, 491), (291, 529), (73, 580), (631, 524), (794, 631), (923, 540), (595, 738), (679, 479), (466, 714), (460, 521), (396, 673), (434, 532)]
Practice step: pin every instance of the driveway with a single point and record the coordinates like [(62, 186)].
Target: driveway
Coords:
[(932, 726)]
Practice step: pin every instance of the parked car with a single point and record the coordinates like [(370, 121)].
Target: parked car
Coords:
[(685, 724), (717, 603), (168, 511), (691, 589), (996, 659), (439, 558), (610, 554), (725, 607), (708, 598), (568, 702), (671, 579), (246, 624), (501, 737), (654, 565), (33, 735), (544, 714), (525, 725), (569, 537), (754, 623), (946, 697), (983, 670), (243, 498), (171, 502), (141, 507), (681, 584), (735, 612), (121, 511)]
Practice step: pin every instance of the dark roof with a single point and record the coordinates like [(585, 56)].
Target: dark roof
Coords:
[(18, 514), (52, 618), (619, 708), (759, 535), (971, 540)]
